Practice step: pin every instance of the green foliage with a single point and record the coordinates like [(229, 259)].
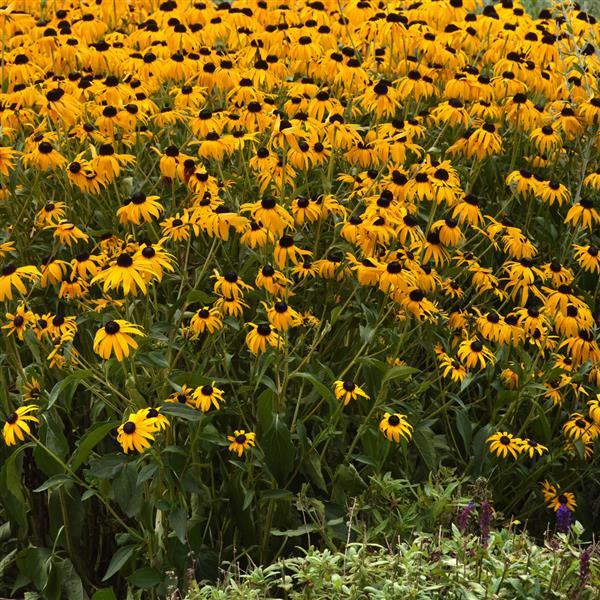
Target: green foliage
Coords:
[(424, 566)]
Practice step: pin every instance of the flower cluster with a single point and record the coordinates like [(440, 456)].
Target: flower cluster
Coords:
[(282, 201)]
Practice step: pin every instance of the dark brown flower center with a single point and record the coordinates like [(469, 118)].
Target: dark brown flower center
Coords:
[(112, 328), (129, 427)]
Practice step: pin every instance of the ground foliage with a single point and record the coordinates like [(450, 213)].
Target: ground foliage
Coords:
[(260, 259), (452, 566)]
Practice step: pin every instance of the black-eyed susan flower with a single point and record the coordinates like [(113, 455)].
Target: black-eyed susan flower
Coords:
[(347, 390), (270, 214), (19, 321), (153, 260), (273, 281), (583, 214), (503, 444), (12, 276), (229, 285), (580, 427), (116, 338), (474, 354), (555, 498), (177, 228), (588, 257), (206, 319), (395, 426), (282, 316), (262, 336), (137, 432), (140, 208), (450, 367), (241, 441), (126, 272), (67, 233), (208, 396), (287, 251), (532, 448), (16, 425), (51, 212), (32, 390), (161, 422), (185, 395)]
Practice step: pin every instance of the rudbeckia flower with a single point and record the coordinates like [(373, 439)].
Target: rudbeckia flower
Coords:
[(588, 257), (137, 432), (583, 214), (347, 390), (532, 448), (282, 316), (19, 321), (139, 209), (286, 249), (206, 319), (260, 337), (554, 498), (474, 354), (580, 427), (503, 444), (206, 396), (116, 338), (229, 285), (12, 276), (394, 426), (185, 395), (241, 440), (16, 425), (126, 272)]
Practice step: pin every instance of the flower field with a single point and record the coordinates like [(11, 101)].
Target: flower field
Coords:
[(259, 259)]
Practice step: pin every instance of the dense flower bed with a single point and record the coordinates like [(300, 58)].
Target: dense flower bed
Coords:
[(253, 253)]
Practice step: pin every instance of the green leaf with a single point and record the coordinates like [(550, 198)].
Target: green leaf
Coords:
[(54, 482), (52, 437), (152, 359), (94, 435), (401, 372), (198, 296), (313, 468), (107, 466), (11, 490), (147, 472), (144, 578), (104, 594), (178, 521), (6, 561), (126, 491), (302, 530), (279, 450), (423, 440), (463, 424), (264, 409), (181, 410), (120, 557), (276, 495), (60, 389), (323, 390)]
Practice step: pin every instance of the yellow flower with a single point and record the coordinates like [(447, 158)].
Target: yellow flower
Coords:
[(260, 337), (137, 432), (347, 390), (16, 425), (502, 444), (206, 396), (241, 440), (115, 338), (394, 426)]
